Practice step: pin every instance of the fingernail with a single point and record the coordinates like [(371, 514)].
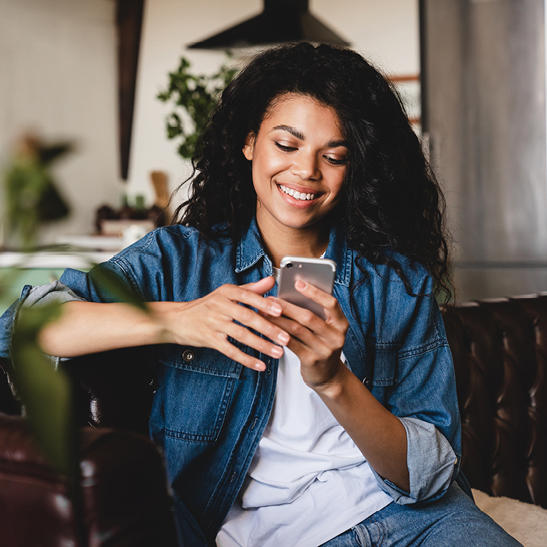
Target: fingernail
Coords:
[(277, 351), (260, 366), (276, 308), (300, 284), (283, 338)]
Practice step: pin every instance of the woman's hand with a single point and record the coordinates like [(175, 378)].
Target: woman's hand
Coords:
[(209, 321), (318, 343)]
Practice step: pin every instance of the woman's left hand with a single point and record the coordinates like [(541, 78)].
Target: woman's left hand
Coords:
[(318, 343)]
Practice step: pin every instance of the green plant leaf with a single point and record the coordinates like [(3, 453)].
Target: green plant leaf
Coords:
[(195, 96), (45, 392), (108, 281)]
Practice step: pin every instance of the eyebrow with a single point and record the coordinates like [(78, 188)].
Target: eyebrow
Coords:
[(299, 135)]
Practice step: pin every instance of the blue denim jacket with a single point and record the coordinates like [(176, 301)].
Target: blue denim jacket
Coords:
[(209, 412)]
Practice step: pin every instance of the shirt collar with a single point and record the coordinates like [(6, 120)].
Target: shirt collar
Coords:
[(250, 251), (249, 248), (342, 255)]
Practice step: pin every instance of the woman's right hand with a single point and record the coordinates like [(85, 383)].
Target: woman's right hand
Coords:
[(209, 321)]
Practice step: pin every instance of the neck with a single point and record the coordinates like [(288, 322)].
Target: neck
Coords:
[(285, 241)]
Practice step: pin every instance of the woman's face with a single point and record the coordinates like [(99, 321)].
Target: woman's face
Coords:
[(299, 160)]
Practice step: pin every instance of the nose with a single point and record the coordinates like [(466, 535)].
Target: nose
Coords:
[(306, 166)]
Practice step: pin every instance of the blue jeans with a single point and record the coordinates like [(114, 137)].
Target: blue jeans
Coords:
[(447, 522)]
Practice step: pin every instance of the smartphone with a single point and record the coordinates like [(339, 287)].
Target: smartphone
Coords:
[(319, 272)]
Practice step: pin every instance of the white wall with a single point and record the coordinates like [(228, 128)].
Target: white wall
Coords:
[(58, 75), (58, 78)]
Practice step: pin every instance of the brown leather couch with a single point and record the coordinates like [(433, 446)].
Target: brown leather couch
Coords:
[(500, 358), (124, 495), (124, 492)]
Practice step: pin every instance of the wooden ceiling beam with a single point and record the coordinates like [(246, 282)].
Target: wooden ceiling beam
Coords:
[(129, 16)]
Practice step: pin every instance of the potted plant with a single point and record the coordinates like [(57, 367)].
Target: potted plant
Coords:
[(192, 98)]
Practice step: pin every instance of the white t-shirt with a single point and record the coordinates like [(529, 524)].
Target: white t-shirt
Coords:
[(308, 481)]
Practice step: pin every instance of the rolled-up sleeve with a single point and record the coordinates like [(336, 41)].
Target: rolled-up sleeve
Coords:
[(423, 390), (425, 400), (432, 464), (41, 295)]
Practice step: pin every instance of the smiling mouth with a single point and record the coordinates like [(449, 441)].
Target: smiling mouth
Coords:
[(302, 196)]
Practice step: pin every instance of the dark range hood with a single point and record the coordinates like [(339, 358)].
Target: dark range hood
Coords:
[(280, 21)]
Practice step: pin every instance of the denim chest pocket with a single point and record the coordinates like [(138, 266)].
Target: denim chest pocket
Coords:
[(382, 370), (385, 364), (374, 363), (196, 387)]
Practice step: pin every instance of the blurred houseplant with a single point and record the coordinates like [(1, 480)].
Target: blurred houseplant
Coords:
[(31, 198), (44, 390), (31, 194), (193, 98)]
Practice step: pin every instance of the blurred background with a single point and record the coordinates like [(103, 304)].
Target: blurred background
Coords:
[(88, 73)]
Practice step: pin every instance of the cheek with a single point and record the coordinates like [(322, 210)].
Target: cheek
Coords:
[(337, 186), (265, 169)]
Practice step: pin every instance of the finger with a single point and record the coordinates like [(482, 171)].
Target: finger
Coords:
[(239, 356), (246, 337), (296, 330), (326, 300), (309, 328), (299, 314), (304, 342), (261, 287), (260, 324), (245, 295), (252, 320)]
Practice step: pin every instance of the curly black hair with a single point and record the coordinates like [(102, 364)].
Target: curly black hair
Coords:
[(392, 200)]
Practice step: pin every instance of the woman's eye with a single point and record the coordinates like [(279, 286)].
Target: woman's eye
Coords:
[(336, 161), (285, 148)]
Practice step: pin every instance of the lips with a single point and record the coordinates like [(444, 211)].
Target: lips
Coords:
[(301, 196)]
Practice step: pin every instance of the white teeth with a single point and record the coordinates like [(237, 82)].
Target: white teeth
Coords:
[(297, 195)]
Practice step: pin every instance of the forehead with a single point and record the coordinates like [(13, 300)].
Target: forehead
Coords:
[(302, 110)]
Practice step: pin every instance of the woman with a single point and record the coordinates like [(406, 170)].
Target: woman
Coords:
[(278, 427)]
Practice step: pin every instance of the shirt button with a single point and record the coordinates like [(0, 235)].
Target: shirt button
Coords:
[(188, 355), (368, 382)]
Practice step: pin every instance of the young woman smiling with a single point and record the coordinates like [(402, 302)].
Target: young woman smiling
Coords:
[(279, 427)]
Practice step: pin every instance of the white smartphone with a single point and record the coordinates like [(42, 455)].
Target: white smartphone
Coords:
[(319, 272)]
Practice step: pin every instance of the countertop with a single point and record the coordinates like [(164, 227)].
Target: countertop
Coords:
[(68, 252)]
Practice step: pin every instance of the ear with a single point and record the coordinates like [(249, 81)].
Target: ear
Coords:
[(249, 146)]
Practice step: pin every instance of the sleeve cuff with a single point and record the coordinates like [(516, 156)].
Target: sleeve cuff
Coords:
[(54, 293), (432, 464), (37, 296)]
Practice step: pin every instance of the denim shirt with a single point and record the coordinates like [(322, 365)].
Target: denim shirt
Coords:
[(209, 412)]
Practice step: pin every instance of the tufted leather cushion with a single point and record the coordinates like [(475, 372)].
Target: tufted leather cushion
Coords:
[(125, 496), (111, 389), (500, 357)]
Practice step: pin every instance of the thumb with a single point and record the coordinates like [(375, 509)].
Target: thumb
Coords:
[(262, 286)]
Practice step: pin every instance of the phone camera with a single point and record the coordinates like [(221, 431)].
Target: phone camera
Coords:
[(288, 265)]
